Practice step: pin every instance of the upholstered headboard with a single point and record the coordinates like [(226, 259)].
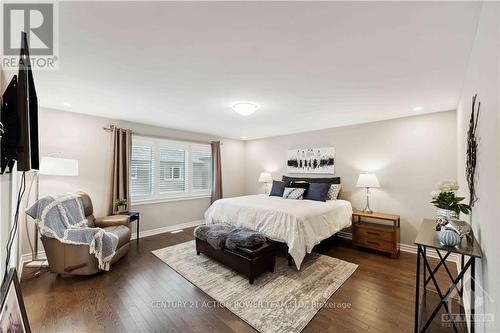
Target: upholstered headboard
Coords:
[(331, 180)]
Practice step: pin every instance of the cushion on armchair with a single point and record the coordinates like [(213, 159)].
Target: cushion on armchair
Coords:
[(113, 220), (122, 232)]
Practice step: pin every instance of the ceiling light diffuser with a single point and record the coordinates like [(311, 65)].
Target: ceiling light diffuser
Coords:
[(417, 108), (245, 108)]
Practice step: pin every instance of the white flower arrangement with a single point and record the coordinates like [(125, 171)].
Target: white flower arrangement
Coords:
[(445, 186), (449, 186), (445, 197)]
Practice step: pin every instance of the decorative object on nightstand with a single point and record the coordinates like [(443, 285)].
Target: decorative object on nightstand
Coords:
[(449, 237), (265, 177), (446, 201), (367, 180), (133, 216), (377, 236)]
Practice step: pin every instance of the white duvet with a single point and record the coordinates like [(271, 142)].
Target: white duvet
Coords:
[(301, 224)]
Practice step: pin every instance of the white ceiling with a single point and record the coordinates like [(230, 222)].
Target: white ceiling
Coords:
[(309, 65)]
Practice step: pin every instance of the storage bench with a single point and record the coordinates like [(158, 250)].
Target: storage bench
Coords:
[(250, 262)]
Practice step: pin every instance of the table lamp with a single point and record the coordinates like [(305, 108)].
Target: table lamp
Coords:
[(367, 180), (265, 177)]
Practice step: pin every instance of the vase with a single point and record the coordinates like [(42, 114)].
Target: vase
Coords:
[(449, 238), (447, 213), (121, 209)]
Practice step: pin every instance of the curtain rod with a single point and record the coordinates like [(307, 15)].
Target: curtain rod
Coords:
[(111, 127)]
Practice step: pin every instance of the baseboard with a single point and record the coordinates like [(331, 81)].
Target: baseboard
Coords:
[(409, 249), (345, 235), (170, 228), (25, 258)]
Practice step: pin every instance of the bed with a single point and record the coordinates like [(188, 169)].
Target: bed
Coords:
[(301, 224)]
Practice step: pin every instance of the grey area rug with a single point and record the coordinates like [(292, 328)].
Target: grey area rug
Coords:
[(283, 301)]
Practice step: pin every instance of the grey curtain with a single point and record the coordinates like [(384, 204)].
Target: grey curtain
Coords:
[(217, 171), (120, 166)]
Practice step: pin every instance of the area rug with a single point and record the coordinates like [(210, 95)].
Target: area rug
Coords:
[(283, 301)]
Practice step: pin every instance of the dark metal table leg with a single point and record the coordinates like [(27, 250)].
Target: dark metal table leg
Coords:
[(417, 293), (462, 263), (424, 288), (453, 286), (472, 296), (137, 230)]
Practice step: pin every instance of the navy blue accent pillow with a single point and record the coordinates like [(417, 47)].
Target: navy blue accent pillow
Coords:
[(317, 191), (278, 188)]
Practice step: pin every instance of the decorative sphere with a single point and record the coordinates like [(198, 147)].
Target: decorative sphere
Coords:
[(449, 238)]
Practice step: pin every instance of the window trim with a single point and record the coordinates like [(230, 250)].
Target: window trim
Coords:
[(189, 193)]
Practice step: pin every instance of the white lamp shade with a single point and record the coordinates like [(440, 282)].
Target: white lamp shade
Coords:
[(56, 166), (367, 180), (265, 177)]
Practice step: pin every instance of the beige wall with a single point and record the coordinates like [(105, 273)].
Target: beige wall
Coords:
[(409, 155), (81, 137), (483, 78)]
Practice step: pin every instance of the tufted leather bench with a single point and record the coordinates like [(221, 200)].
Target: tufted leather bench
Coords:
[(250, 262)]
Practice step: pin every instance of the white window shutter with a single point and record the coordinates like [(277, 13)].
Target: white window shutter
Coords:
[(141, 182), (165, 169), (201, 161), (172, 170)]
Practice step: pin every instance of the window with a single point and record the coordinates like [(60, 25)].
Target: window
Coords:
[(142, 169), (202, 168), (133, 172), (164, 169), (171, 173), (172, 162)]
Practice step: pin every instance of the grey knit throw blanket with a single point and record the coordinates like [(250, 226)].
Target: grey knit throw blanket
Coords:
[(63, 218)]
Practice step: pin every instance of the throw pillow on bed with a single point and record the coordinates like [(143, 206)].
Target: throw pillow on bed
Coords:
[(317, 191), (334, 191), (300, 184), (294, 193), (278, 188)]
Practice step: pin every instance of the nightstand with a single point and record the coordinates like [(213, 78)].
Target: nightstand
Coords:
[(133, 216), (377, 236)]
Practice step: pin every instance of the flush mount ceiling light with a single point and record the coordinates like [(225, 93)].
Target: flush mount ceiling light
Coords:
[(417, 108), (245, 108)]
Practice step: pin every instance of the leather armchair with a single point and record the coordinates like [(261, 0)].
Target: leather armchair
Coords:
[(76, 259)]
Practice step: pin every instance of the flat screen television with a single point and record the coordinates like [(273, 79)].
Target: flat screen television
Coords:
[(19, 117)]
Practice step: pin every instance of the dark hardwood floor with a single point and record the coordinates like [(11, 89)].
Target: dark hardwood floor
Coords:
[(378, 297)]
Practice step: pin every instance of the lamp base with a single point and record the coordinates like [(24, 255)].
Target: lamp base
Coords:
[(367, 211)]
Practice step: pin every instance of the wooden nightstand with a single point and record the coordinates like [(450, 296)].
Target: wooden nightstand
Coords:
[(378, 236)]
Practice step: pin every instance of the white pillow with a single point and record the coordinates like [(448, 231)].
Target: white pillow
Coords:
[(333, 192), (294, 193)]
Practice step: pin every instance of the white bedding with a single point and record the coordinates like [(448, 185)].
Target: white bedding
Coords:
[(301, 224)]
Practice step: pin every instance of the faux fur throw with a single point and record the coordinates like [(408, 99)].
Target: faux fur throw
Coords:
[(63, 218), (223, 236), (241, 237)]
